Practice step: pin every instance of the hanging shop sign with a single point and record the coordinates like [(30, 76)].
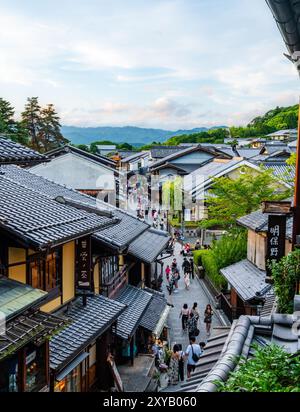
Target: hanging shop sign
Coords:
[(84, 263), (275, 239)]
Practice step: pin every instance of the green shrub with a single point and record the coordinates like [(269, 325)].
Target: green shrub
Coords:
[(229, 249), (285, 274), (270, 370)]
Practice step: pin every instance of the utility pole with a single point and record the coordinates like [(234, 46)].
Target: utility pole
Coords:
[(296, 205)]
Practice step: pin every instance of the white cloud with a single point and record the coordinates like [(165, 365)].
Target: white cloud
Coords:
[(161, 63)]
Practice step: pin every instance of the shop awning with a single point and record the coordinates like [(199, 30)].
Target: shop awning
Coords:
[(16, 297), (87, 324), (149, 245), (26, 328), (137, 302), (71, 366), (247, 280), (155, 318)]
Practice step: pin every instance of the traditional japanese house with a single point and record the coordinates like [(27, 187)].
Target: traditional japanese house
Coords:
[(24, 338), (111, 263), (15, 153), (248, 291), (46, 243), (92, 174)]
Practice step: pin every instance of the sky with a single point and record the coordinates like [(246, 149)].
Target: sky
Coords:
[(167, 64)]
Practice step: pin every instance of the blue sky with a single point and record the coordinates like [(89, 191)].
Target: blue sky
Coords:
[(153, 63)]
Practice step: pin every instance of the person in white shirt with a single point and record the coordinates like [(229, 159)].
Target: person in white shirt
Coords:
[(193, 353)]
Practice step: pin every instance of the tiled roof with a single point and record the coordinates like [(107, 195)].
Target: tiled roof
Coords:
[(137, 301), (72, 149), (258, 221), (118, 235), (154, 311), (149, 245), (87, 323), (247, 153), (38, 219), (286, 15), (14, 153), (35, 326), (246, 279), (282, 170), (134, 156), (293, 144), (255, 220), (159, 152), (16, 297), (244, 332), (209, 171), (192, 149)]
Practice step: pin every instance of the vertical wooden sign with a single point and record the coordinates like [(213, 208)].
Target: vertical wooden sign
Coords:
[(84, 263), (275, 239)]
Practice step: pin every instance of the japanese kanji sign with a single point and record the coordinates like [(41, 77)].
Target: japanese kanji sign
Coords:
[(275, 239), (83, 262)]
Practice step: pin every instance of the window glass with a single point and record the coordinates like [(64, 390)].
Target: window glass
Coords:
[(71, 383), (35, 368), (9, 375), (45, 273)]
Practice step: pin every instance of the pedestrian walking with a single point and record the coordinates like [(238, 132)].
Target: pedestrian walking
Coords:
[(187, 280), (174, 366), (172, 283), (197, 245), (181, 363), (195, 312), (192, 326), (167, 272), (184, 314), (162, 224), (186, 266), (192, 272), (176, 280), (208, 313), (174, 265), (193, 353)]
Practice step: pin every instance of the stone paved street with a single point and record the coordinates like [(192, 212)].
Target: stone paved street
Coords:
[(194, 294)]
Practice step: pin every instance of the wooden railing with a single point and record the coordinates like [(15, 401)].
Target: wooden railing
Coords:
[(228, 309), (117, 282)]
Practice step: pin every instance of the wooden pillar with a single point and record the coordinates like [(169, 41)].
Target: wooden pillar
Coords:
[(143, 275), (52, 382)]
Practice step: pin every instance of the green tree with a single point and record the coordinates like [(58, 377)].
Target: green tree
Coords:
[(286, 274), (49, 135), (31, 121), (230, 198), (6, 117), (125, 146), (83, 147), (8, 126)]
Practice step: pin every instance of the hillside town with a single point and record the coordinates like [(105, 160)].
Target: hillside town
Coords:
[(169, 267)]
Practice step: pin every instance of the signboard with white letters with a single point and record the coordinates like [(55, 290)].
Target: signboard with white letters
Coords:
[(275, 239), (83, 262)]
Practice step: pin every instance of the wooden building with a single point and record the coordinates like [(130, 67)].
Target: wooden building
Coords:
[(248, 292), (78, 249)]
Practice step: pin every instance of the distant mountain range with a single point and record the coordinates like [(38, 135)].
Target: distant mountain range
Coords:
[(127, 134)]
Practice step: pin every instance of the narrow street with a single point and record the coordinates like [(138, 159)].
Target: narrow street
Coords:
[(194, 294)]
